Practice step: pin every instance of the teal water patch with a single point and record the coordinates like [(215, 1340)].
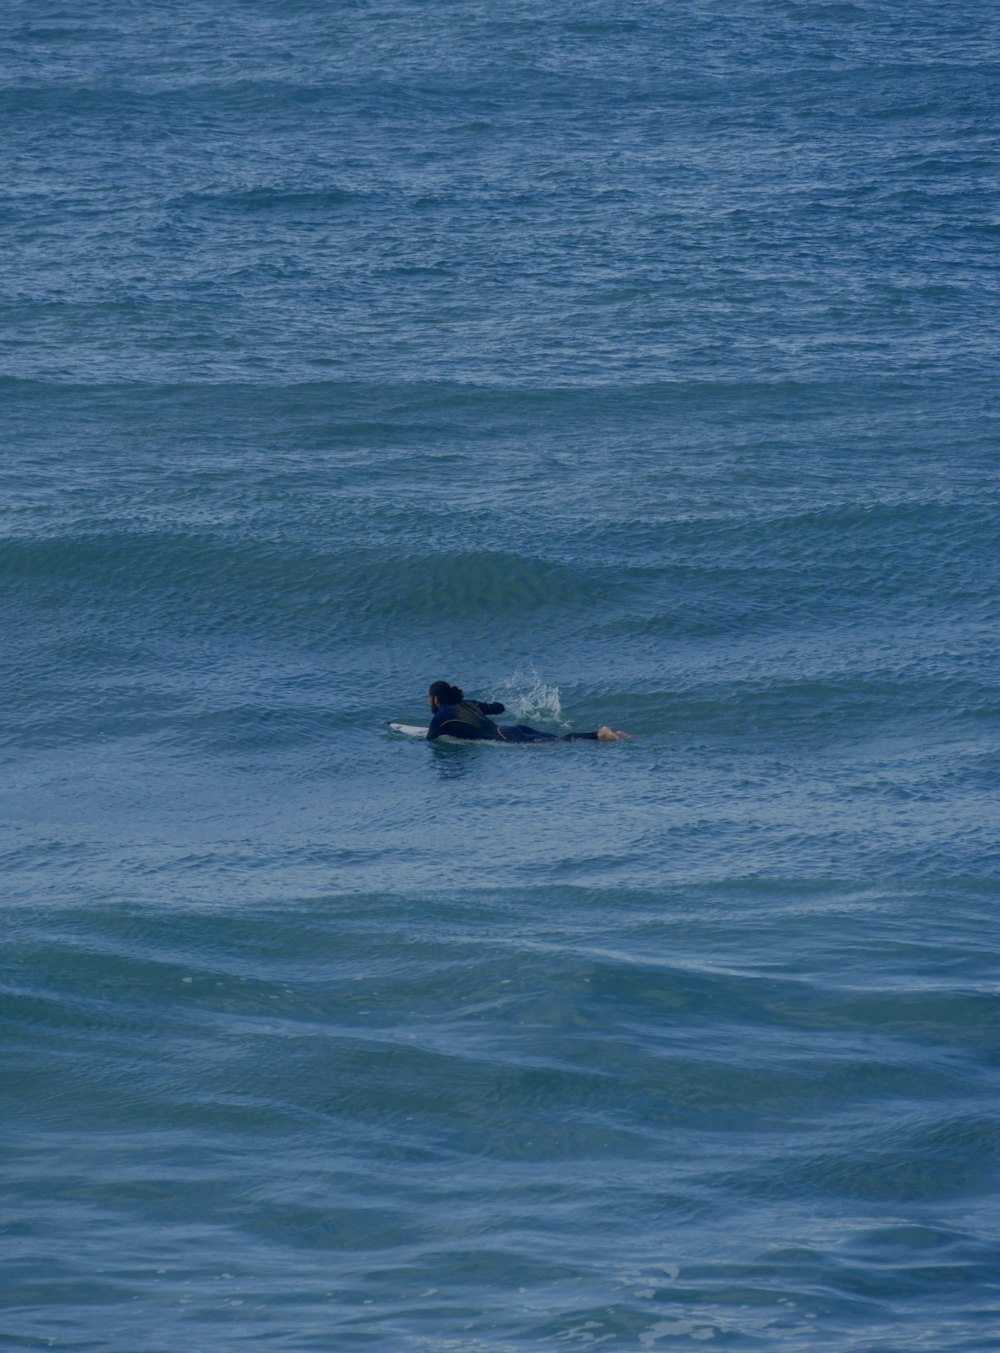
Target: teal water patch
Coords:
[(410, 1119)]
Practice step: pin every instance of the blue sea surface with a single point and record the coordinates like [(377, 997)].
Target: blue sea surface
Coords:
[(629, 362)]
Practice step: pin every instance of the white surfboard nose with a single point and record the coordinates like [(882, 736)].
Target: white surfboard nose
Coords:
[(410, 729)]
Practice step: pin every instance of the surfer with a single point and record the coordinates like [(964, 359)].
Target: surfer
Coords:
[(461, 718)]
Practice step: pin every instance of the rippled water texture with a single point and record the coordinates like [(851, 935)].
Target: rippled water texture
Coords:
[(623, 362)]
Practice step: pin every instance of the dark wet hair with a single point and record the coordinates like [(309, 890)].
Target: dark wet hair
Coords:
[(448, 695)]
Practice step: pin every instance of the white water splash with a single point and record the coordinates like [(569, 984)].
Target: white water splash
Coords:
[(527, 697)]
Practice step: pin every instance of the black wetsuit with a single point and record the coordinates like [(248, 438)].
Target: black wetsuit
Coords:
[(470, 720)]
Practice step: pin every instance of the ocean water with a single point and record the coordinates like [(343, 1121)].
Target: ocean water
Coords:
[(627, 362)]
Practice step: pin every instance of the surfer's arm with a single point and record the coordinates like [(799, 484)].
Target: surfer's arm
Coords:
[(435, 729), (483, 708)]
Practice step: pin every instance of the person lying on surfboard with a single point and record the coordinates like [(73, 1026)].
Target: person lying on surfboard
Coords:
[(461, 718)]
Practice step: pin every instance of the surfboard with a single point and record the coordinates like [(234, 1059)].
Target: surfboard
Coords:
[(416, 730)]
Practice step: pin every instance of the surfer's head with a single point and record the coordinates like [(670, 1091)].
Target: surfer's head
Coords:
[(441, 693)]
